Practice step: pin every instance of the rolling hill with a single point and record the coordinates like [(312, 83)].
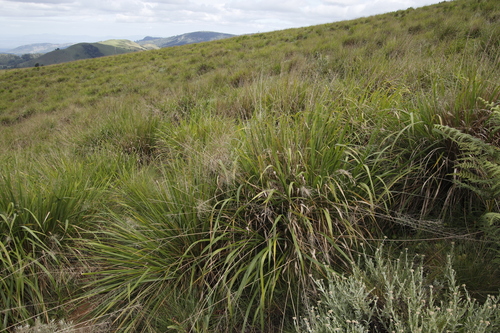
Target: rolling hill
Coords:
[(189, 38), (124, 44), (38, 48), (84, 51), (8, 60), (60, 53)]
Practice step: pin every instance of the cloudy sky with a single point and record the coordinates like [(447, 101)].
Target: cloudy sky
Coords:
[(135, 19)]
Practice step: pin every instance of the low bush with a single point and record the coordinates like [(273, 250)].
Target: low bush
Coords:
[(386, 295)]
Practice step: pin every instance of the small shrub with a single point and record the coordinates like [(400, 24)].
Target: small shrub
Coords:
[(385, 295), (60, 326)]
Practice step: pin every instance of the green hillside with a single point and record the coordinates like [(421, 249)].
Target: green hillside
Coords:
[(189, 38), (8, 60), (342, 177), (123, 44), (84, 51)]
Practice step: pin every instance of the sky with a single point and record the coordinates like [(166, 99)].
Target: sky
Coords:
[(57, 21)]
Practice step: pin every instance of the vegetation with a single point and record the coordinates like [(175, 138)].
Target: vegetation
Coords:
[(12, 60), (209, 187), (189, 38), (84, 51), (73, 52), (124, 44), (397, 296)]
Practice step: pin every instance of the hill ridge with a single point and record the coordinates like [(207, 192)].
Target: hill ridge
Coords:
[(54, 55)]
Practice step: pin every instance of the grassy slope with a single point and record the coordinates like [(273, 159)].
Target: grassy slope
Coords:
[(396, 40), (123, 44), (266, 135), (189, 38), (82, 51), (6, 57), (12, 60)]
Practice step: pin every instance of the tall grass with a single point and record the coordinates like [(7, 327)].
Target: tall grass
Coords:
[(44, 208), (245, 235), (198, 187)]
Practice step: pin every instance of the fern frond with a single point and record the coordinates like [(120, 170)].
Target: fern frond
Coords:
[(493, 169), (477, 167), (495, 120), (490, 219)]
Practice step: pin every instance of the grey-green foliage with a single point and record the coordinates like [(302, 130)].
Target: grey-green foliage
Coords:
[(384, 295), (54, 326)]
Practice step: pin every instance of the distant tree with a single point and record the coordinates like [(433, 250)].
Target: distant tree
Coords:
[(37, 64), (26, 57)]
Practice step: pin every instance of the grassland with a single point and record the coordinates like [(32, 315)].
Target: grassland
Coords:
[(78, 52), (209, 187), (124, 44)]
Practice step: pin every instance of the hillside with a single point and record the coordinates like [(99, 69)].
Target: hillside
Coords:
[(189, 38), (123, 44), (84, 51), (8, 60), (341, 176), (38, 48), (70, 52)]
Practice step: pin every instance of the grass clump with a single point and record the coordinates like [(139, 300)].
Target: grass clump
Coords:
[(43, 211), (242, 236)]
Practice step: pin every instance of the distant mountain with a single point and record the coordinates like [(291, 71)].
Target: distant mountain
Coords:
[(129, 45), (32, 54), (85, 51), (145, 39), (189, 38), (123, 44), (11, 41), (38, 48)]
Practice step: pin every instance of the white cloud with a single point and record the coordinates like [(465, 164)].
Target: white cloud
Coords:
[(275, 6), (344, 3), (40, 2)]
